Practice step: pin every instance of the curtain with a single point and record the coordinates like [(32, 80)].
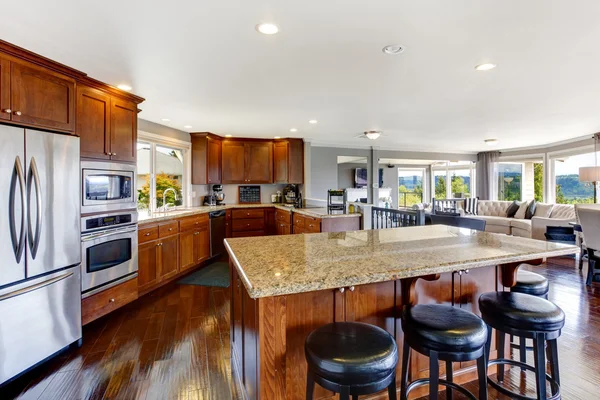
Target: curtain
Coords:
[(486, 175)]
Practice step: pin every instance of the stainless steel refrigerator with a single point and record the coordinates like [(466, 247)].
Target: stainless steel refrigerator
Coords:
[(40, 251)]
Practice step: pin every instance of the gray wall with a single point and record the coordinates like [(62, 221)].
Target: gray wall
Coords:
[(345, 178), (162, 130)]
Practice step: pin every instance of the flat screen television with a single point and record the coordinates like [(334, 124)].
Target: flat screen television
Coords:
[(360, 177)]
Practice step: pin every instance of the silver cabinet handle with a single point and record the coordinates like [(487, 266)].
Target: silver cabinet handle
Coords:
[(18, 243), (147, 234), (34, 241), (7, 110), (341, 290), (114, 154), (351, 288), (111, 301), (18, 113)]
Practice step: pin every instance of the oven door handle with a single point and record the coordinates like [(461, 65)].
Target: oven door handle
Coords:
[(108, 233)]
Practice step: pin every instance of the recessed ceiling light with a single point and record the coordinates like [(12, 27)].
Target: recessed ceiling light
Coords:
[(122, 86), (293, 130), (165, 119), (313, 121), (227, 135), (393, 49), (267, 29), (485, 67), (372, 134), (187, 126), (277, 137), (491, 142)]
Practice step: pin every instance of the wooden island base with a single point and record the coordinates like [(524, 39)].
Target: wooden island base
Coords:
[(268, 334)]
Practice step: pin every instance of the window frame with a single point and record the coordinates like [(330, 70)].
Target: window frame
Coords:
[(553, 156), (449, 169), (155, 140)]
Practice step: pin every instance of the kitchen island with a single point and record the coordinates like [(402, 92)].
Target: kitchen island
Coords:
[(283, 287)]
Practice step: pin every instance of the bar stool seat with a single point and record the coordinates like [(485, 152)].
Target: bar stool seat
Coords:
[(531, 283), (520, 311), (351, 358), (443, 333)]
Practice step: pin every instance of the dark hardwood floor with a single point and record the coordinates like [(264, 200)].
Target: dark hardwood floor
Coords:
[(174, 344)]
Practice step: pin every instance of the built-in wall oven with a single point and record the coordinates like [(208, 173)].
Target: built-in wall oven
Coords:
[(107, 186), (109, 245)]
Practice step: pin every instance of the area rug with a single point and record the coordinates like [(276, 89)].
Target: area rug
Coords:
[(216, 274)]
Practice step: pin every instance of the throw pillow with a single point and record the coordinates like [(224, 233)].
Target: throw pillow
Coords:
[(543, 210), (513, 208), (530, 209), (470, 206), (520, 214)]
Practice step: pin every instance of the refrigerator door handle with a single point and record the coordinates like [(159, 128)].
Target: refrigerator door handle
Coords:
[(35, 287), (18, 243), (34, 241)]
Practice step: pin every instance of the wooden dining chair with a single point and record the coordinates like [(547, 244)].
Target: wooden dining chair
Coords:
[(589, 216)]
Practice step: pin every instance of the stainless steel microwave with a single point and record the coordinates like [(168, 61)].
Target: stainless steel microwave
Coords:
[(107, 186)]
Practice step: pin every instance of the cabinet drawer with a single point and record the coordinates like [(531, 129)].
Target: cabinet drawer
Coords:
[(248, 234), (283, 216), (298, 220), (193, 222), (248, 213), (248, 225), (102, 303), (168, 228), (147, 233), (312, 224), (297, 230)]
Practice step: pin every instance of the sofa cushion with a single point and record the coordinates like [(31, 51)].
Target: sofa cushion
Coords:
[(563, 211), (498, 221), (543, 210), (513, 208), (520, 214), (530, 209), (492, 208), (524, 224)]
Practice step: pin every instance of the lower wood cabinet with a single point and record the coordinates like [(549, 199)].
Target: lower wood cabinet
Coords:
[(158, 260), (102, 303)]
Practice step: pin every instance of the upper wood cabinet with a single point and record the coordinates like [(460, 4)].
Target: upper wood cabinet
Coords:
[(247, 161), (107, 125), (5, 111), (32, 95), (93, 122), (206, 158), (288, 164)]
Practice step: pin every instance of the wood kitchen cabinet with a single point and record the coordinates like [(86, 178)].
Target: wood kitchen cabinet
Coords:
[(194, 241), (206, 158), (158, 253), (37, 96), (147, 265), (288, 161), (107, 125), (168, 264), (247, 161)]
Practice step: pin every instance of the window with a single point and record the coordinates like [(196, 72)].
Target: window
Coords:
[(569, 190), (460, 175), (510, 181), (410, 187), (161, 165)]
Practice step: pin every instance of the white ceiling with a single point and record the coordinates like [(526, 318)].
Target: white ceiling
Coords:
[(202, 63)]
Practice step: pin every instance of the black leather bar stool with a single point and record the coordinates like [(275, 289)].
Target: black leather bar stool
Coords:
[(351, 358), (535, 285), (524, 316), (444, 333)]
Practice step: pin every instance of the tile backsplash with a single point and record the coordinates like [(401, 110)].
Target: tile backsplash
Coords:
[(231, 193)]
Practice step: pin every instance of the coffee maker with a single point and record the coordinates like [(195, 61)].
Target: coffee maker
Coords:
[(219, 195)]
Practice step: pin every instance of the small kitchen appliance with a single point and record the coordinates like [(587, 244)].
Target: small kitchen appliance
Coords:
[(219, 195)]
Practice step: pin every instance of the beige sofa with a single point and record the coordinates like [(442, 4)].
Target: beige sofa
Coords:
[(494, 213)]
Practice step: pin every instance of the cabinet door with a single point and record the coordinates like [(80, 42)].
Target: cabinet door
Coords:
[(296, 161), (233, 162), (169, 257), (187, 250), (123, 130), (4, 89), (280, 161), (93, 122), (259, 162), (236, 313), (42, 98), (202, 244), (148, 265), (213, 162)]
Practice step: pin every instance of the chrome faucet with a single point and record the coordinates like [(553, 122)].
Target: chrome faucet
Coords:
[(165, 206)]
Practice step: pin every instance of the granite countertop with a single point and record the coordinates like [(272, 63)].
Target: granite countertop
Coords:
[(318, 212), (280, 265)]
